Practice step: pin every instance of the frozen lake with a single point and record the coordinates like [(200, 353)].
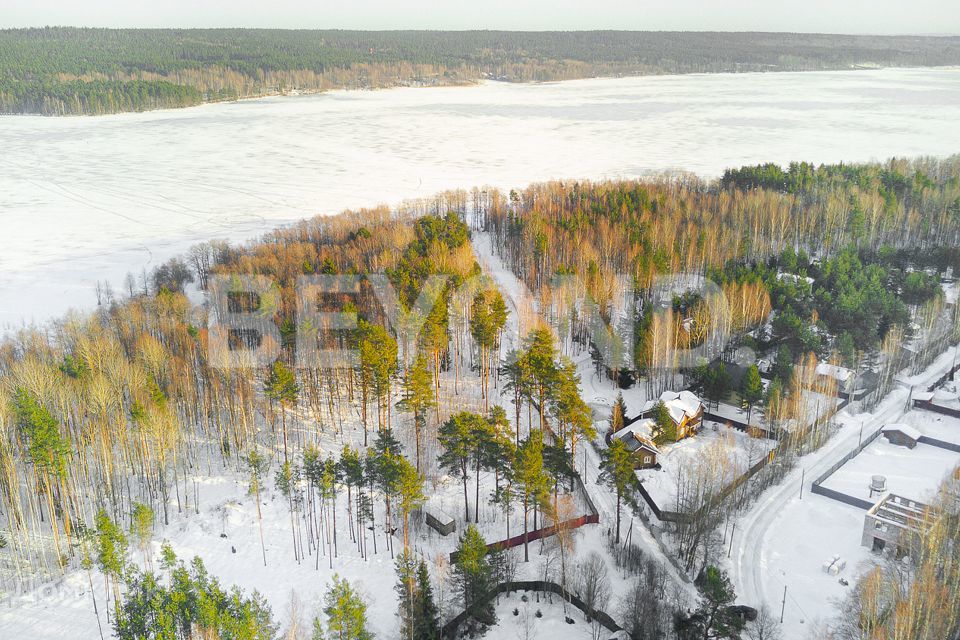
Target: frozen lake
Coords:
[(88, 199)]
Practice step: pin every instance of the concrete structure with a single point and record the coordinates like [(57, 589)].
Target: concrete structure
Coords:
[(892, 525)]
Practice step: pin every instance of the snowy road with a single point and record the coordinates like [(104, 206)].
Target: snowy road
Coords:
[(754, 546), (517, 296)]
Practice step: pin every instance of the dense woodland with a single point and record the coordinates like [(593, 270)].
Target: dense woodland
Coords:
[(106, 418), (57, 71), (872, 239)]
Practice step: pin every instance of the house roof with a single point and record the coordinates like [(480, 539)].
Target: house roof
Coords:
[(642, 428), (841, 374), (679, 404), (637, 436), (905, 429)]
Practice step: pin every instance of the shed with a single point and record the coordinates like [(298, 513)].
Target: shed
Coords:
[(902, 435), (439, 520)]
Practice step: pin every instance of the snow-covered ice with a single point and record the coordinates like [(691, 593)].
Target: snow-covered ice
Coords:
[(88, 199)]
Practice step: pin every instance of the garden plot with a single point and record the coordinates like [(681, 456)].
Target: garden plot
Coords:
[(718, 454), (912, 473)]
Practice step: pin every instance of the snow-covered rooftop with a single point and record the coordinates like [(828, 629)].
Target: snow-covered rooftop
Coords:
[(905, 429), (841, 374), (638, 435), (678, 403)]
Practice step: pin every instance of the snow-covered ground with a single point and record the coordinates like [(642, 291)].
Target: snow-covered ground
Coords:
[(714, 441), (227, 521), (784, 538), (525, 625), (933, 425), (912, 473), (88, 199)]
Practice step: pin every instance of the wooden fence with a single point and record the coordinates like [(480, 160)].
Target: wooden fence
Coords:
[(593, 517), (947, 376), (928, 405), (683, 517), (817, 487), (449, 630)]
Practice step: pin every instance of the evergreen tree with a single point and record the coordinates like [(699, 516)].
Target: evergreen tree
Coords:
[(282, 387), (531, 481), (541, 356), (783, 367), (558, 465), (418, 397), (483, 443), (616, 470), (713, 618), (376, 366), (520, 383), (774, 399), (456, 437), (141, 526), (426, 616), (473, 575), (488, 314), (573, 416), (751, 389), (346, 614), (111, 551), (406, 590), (194, 605), (618, 415), (665, 429), (718, 384), (410, 490)]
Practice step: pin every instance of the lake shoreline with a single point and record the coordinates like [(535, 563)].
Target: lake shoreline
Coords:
[(299, 93), (92, 199)]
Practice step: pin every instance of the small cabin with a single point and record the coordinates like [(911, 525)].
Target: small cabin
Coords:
[(902, 435), (439, 520), (635, 438)]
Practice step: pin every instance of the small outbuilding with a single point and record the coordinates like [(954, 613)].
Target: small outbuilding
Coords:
[(439, 520), (902, 435)]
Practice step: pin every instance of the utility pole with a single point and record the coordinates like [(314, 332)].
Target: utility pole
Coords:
[(783, 607)]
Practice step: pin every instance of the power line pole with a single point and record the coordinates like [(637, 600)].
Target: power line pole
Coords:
[(783, 607)]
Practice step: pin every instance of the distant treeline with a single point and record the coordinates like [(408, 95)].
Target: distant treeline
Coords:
[(58, 71)]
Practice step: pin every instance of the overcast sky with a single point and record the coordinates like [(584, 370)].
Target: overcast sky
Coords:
[(831, 16)]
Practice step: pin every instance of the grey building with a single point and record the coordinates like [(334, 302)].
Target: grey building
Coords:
[(893, 524)]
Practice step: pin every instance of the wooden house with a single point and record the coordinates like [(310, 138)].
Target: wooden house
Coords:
[(685, 410), (636, 438)]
